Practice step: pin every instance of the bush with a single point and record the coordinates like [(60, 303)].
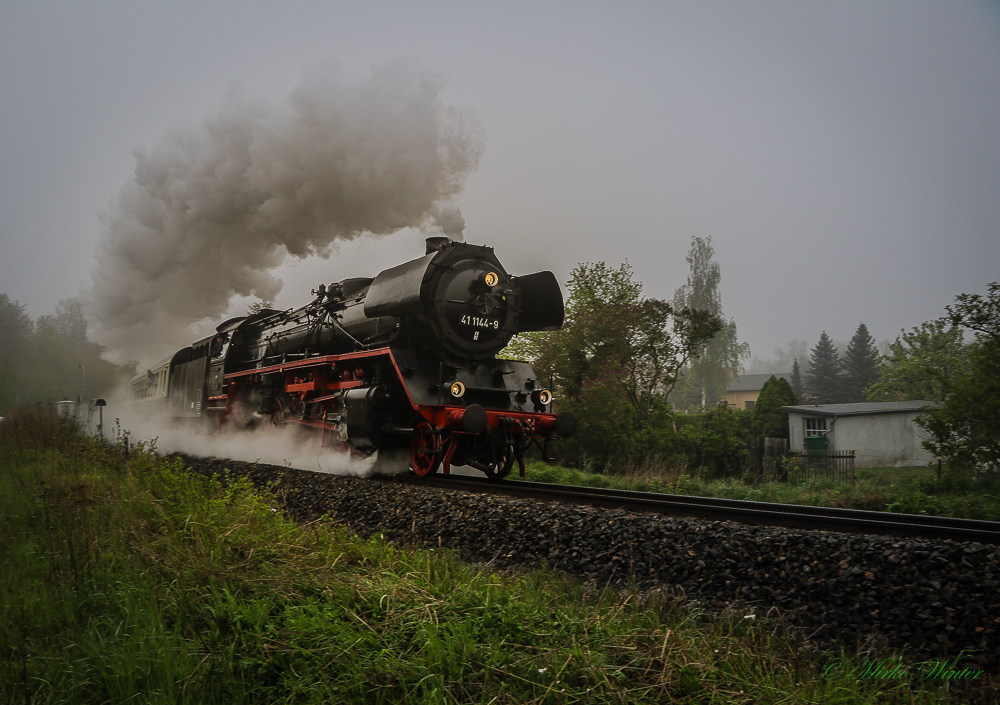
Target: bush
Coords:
[(717, 446)]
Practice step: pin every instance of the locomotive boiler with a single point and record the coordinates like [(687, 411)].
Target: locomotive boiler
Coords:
[(406, 360)]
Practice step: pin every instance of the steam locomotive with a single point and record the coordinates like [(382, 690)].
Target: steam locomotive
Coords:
[(405, 361)]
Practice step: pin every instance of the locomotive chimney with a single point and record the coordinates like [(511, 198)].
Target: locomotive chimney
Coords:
[(436, 243)]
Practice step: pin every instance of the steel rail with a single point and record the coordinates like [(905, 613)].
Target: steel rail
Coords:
[(747, 512)]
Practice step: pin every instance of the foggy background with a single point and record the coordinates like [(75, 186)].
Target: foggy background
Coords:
[(843, 157)]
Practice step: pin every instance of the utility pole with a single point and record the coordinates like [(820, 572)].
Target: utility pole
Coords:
[(83, 392), (100, 404)]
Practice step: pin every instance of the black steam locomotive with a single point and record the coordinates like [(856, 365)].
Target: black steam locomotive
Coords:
[(404, 360)]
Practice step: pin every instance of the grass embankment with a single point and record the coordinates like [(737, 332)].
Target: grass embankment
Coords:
[(133, 581), (915, 490)]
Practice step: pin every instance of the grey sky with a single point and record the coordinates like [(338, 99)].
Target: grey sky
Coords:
[(843, 156)]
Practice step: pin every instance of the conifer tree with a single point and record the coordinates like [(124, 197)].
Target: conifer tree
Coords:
[(823, 379), (258, 306), (769, 421), (796, 379), (860, 365), (786, 388), (16, 331)]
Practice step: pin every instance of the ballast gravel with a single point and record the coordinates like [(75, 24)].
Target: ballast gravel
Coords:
[(928, 599)]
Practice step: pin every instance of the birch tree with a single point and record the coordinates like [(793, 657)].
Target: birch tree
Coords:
[(717, 360)]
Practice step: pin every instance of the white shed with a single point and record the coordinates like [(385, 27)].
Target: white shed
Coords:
[(882, 434)]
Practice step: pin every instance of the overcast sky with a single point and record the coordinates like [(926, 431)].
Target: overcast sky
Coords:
[(844, 157)]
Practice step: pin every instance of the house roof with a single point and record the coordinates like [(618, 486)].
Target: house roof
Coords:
[(754, 382), (883, 407)]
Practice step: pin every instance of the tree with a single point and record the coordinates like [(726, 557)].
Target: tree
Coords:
[(769, 421), (782, 359), (617, 357), (8, 384), (717, 445), (62, 356), (796, 379), (47, 360), (258, 306), (718, 360), (920, 363), (978, 314), (16, 330), (789, 392), (612, 331), (823, 378), (965, 429), (860, 364)]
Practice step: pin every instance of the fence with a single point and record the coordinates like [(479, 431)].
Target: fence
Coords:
[(835, 465), (771, 461), (766, 459)]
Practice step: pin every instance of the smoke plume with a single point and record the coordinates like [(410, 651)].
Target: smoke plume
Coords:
[(290, 446), (214, 207)]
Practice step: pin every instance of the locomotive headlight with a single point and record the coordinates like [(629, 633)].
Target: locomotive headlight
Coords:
[(542, 396), (457, 389), (490, 279)]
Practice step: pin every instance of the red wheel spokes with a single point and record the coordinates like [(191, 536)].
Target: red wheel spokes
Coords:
[(425, 450)]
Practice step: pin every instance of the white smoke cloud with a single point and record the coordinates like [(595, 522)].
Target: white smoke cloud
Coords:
[(290, 446), (214, 207)]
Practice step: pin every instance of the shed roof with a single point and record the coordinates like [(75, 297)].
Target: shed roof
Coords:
[(754, 382), (882, 407)]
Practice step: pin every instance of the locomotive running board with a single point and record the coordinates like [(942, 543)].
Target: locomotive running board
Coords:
[(307, 362)]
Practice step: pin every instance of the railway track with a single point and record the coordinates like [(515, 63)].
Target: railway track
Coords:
[(755, 513)]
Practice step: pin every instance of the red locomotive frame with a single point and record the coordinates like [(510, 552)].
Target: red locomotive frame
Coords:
[(439, 432)]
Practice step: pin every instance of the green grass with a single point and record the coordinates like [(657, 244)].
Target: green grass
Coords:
[(915, 490), (132, 581)]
